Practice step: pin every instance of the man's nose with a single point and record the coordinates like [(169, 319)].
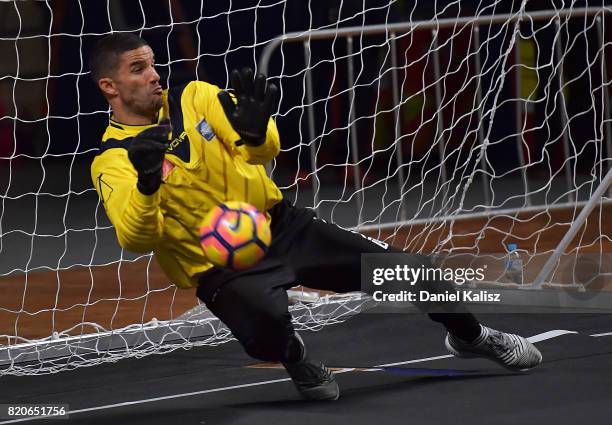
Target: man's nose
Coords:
[(154, 75)]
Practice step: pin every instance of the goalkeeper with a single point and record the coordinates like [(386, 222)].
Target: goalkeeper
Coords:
[(168, 156)]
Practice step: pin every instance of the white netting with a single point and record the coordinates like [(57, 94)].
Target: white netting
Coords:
[(441, 130)]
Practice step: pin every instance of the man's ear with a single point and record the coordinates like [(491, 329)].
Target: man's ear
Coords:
[(107, 85)]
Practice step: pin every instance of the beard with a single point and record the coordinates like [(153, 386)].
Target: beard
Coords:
[(149, 108)]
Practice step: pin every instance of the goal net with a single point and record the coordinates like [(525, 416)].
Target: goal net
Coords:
[(441, 128)]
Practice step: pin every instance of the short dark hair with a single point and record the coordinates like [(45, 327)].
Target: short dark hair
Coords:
[(105, 55)]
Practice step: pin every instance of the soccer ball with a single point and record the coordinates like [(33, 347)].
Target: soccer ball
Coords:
[(235, 235)]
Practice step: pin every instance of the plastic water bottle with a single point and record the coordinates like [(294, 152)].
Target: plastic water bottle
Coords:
[(514, 265)]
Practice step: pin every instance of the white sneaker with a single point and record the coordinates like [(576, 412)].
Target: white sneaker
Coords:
[(511, 351)]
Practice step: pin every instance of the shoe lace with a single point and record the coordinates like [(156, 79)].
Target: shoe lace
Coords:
[(499, 343), (307, 372)]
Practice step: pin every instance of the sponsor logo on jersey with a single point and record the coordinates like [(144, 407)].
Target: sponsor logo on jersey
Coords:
[(176, 141), (179, 147), (205, 130)]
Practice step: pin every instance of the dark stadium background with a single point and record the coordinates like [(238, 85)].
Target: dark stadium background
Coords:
[(76, 107)]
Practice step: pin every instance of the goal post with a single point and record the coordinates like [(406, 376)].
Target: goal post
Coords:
[(465, 193), (441, 133), (405, 30)]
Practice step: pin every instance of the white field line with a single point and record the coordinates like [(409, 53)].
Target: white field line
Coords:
[(535, 338)]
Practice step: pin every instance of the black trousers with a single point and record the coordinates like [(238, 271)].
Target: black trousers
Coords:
[(253, 303)]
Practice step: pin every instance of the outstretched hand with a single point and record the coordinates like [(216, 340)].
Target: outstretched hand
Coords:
[(254, 105)]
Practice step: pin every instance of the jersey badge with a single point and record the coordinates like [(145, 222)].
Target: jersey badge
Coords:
[(205, 130)]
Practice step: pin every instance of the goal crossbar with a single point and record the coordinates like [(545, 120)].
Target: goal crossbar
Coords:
[(297, 36), (349, 32)]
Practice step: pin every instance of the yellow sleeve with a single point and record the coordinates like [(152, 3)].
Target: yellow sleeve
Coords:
[(207, 102), (137, 218)]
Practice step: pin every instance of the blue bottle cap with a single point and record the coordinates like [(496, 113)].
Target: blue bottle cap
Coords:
[(512, 247)]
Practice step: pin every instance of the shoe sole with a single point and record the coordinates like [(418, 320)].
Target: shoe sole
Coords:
[(328, 392)]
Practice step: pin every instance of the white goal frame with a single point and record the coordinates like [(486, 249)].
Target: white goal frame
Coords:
[(392, 30)]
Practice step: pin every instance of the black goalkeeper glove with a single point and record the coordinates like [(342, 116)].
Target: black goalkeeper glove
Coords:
[(249, 116), (146, 152)]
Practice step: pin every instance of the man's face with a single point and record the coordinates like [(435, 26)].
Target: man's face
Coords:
[(137, 82)]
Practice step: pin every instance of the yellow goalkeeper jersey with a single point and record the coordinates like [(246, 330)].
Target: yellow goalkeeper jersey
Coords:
[(202, 168)]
